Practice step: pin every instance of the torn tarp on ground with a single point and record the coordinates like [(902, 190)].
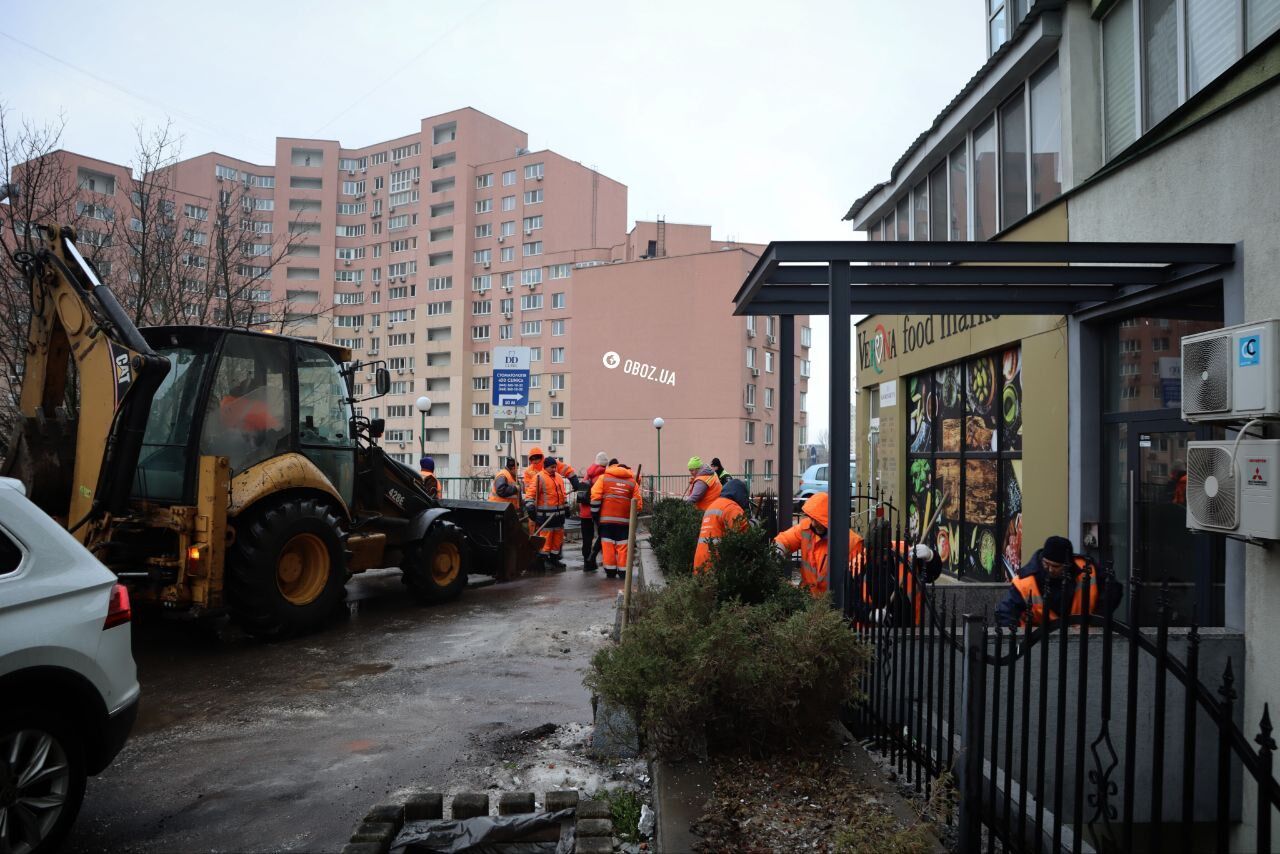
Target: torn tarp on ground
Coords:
[(530, 833)]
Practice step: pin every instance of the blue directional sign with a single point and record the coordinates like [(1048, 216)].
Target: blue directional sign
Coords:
[(510, 376)]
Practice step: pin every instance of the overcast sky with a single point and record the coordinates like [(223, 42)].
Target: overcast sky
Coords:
[(762, 119)]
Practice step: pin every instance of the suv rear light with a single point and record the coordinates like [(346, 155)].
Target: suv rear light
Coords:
[(118, 610)]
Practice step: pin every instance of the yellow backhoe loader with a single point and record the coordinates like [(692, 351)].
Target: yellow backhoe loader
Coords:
[(219, 470)]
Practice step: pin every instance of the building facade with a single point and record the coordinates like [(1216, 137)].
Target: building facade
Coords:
[(1137, 120), (426, 252)]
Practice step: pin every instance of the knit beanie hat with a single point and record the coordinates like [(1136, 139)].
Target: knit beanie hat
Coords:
[(427, 464), (695, 463), (1057, 549), (602, 459)]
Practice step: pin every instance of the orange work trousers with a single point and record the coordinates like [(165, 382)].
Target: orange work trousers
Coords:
[(613, 546), (553, 536)]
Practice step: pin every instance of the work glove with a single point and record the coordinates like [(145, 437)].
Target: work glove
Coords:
[(528, 508), (922, 552)]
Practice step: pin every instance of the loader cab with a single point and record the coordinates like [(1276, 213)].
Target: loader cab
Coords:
[(246, 396)]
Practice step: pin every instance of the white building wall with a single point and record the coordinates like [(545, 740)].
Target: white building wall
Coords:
[(1220, 182)]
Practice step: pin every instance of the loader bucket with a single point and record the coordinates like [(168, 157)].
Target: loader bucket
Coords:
[(500, 543), (41, 453)]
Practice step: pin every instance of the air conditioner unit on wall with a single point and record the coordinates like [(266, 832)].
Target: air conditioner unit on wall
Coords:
[(1231, 374), (1239, 496)]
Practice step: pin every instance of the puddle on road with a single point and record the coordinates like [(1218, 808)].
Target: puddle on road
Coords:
[(350, 673)]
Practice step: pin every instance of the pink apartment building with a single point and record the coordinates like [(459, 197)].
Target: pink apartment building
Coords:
[(429, 250)]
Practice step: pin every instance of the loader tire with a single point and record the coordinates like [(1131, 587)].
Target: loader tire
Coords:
[(435, 568), (286, 573)]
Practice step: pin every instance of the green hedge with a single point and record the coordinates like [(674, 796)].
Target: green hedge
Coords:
[(673, 534)]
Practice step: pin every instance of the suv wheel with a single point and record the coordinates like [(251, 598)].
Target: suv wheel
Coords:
[(42, 779)]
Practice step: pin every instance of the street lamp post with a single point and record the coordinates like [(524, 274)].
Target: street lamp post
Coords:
[(657, 425), (424, 406)]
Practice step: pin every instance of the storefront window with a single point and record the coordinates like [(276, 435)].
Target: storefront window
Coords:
[(1143, 369), (965, 464)]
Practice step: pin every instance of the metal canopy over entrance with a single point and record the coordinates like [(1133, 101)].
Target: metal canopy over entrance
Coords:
[(840, 278)]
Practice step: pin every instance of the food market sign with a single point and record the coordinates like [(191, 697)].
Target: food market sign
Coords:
[(878, 345)]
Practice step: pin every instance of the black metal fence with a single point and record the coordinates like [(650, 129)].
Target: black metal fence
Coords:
[(1084, 734)]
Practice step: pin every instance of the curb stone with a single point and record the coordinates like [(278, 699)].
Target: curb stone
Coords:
[(593, 830)]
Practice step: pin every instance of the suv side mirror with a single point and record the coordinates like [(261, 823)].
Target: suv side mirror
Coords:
[(377, 427), (382, 381)]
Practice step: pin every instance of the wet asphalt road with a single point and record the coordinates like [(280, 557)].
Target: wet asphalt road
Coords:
[(242, 746)]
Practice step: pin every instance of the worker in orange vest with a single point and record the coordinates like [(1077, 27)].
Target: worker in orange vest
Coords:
[(886, 579), (427, 468), (506, 487), (723, 515), (545, 500), (811, 540), (530, 473), (611, 497), (704, 484), (1053, 577)]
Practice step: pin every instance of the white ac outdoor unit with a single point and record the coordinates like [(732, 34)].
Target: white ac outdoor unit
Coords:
[(551, 393), (1232, 374), (1240, 498), (501, 239)]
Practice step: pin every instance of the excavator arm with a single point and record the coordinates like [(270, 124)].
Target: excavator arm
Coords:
[(79, 466)]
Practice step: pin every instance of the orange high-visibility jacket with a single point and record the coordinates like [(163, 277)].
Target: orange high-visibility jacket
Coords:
[(1029, 589), (532, 471), (514, 497), (724, 514), (706, 475), (546, 491), (813, 549), (611, 495)]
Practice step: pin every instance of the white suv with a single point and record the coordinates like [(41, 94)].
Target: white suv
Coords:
[(68, 684)]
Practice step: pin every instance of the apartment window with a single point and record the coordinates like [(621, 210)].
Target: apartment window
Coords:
[(805, 370), (445, 209), (479, 383), (350, 276), (484, 206), (508, 305), (439, 259), (920, 211), (406, 151), (483, 306), (378, 159), (806, 336), (557, 355), (557, 382), (531, 277), (401, 292), (535, 407), (440, 283), (441, 185), (480, 461), (349, 321), (350, 208), (396, 223), (406, 197), (751, 357), (557, 327), (768, 440), (484, 230), (531, 302), (485, 181), (480, 434), (482, 256), (508, 203), (1046, 136), (508, 228), (509, 178), (804, 401), (403, 268), (379, 182), (533, 197), (535, 380), (350, 164), (939, 220), (531, 223), (984, 180), (351, 230), (557, 410), (435, 309), (480, 284), (441, 134), (533, 248), (997, 25), (401, 315), (535, 354), (531, 434), (533, 171), (531, 327), (397, 411), (225, 172), (749, 397), (768, 362), (557, 436), (480, 357), (749, 432), (479, 408), (505, 333), (559, 271), (195, 212), (557, 299), (352, 188), (768, 398), (508, 280), (1013, 160), (507, 254), (480, 333)]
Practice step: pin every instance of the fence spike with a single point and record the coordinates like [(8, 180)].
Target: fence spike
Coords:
[(1264, 739), (1227, 692)]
